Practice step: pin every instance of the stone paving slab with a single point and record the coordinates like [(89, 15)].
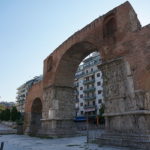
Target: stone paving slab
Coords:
[(24, 142), (6, 130)]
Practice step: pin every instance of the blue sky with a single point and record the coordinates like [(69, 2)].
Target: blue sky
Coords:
[(31, 29)]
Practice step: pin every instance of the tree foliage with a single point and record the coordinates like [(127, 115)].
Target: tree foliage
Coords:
[(101, 112), (10, 114)]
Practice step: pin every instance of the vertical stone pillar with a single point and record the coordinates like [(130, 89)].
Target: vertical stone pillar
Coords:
[(127, 111), (58, 112)]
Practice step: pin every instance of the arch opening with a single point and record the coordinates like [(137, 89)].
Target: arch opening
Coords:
[(36, 116), (84, 100), (70, 61)]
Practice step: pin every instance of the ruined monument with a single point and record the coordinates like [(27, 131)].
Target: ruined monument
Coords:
[(125, 50)]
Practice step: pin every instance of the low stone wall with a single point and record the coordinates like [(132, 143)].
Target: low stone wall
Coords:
[(9, 124)]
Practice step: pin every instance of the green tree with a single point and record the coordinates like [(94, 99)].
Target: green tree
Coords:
[(15, 115), (101, 112), (5, 115)]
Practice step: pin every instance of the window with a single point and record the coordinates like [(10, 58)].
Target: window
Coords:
[(94, 103), (100, 101), (81, 96), (86, 71), (81, 88), (94, 113), (81, 112), (91, 69), (87, 86), (92, 76), (98, 74), (87, 78), (93, 85), (99, 91), (81, 104), (98, 83), (93, 94)]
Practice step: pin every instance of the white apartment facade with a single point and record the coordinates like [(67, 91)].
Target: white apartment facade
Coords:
[(89, 90), (22, 92)]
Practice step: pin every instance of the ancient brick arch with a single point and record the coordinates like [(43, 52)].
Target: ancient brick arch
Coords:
[(36, 116), (36, 105), (124, 47), (35, 93), (70, 61)]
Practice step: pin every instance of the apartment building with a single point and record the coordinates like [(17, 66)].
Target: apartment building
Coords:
[(22, 92), (88, 84)]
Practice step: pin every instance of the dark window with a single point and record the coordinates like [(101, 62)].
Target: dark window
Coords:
[(99, 91), (81, 104), (81, 96), (94, 113), (91, 69), (86, 71), (100, 101), (82, 112), (94, 103), (92, 77), (93, 94), (98, 83), (98, 74), (81, 88), (87, 78)]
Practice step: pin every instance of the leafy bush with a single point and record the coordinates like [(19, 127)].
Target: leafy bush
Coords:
[(7, 114)]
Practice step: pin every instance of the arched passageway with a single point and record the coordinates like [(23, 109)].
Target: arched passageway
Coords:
[(36, 116)]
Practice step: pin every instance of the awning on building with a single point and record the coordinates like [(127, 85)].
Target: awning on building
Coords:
[(78, 119)]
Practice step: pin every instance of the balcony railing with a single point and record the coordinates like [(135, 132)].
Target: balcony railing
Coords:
[(96, 62), (76, 84), (76, 99), (90, 108), (90, 97), (89, 89), (88, 81)]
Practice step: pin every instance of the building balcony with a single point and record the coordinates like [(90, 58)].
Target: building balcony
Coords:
[(76, 99), (89, 89), (76, 108), (89, 97), (90, 72), (76, 84), (88, 81), (90, 108), (79, 75), (95, 62)]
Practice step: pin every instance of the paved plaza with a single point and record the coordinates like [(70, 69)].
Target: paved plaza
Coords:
[(23, 142)]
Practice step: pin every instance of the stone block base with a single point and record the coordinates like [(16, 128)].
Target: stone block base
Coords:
[(56, 133), (135, 141), (57, 128)]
